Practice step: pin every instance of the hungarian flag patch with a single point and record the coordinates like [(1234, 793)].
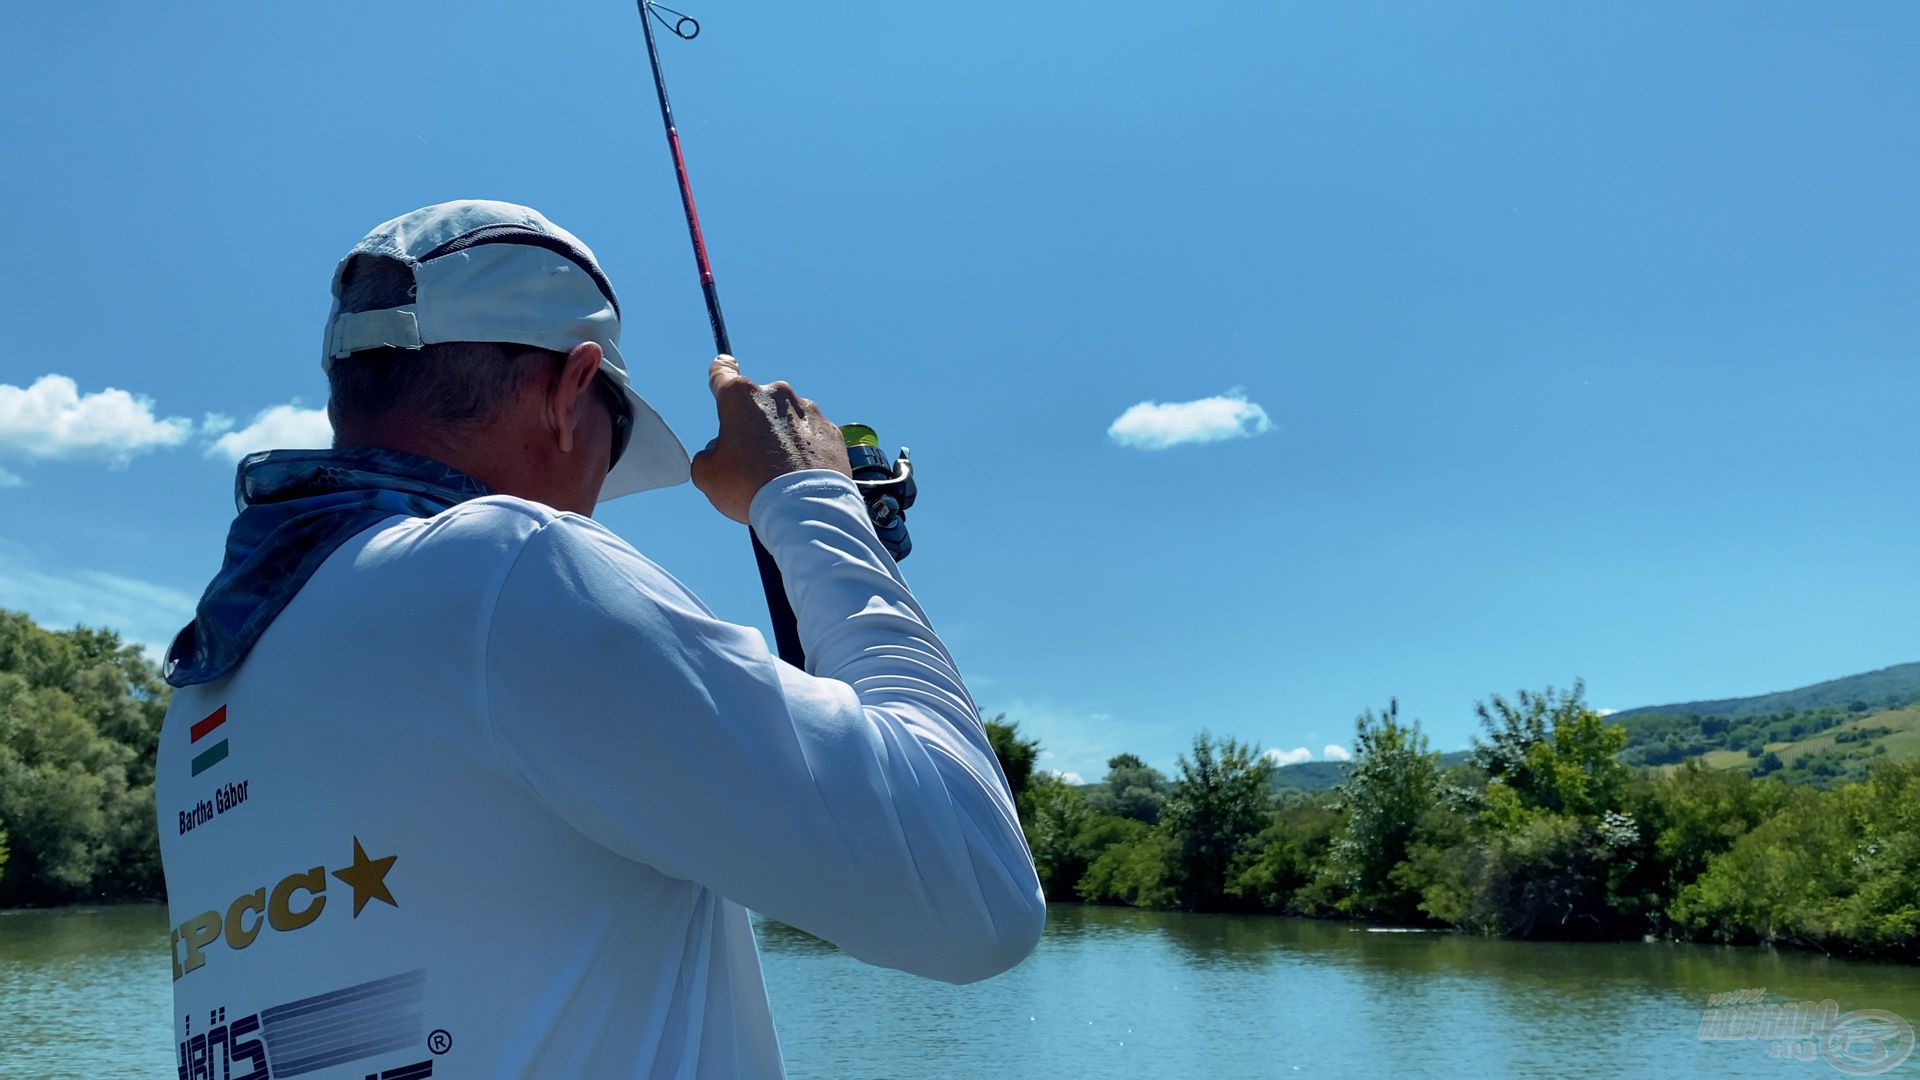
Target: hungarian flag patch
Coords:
[(211, 754)]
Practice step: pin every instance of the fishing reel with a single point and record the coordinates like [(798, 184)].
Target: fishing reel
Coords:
[(887, 487)]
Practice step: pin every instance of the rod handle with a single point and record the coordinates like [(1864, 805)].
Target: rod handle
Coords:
[(786, 628)]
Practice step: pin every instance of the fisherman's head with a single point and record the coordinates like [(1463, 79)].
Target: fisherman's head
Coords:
[(484, 336)]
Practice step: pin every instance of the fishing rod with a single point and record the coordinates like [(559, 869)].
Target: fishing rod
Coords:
[(887, 487)]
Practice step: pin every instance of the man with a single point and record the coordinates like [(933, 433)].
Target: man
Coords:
[(455, 782)]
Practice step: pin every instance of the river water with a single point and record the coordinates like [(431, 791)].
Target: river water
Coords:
[(1114, 993)]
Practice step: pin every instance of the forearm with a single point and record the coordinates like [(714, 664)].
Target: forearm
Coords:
[(862, 627)]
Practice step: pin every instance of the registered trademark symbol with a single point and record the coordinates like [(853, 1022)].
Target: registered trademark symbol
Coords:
[(440, 1041)]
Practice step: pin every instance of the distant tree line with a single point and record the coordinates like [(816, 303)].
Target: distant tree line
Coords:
[(1545, 832), (80, 715)]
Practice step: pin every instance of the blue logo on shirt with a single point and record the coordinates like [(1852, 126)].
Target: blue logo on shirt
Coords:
[(314, 1033)]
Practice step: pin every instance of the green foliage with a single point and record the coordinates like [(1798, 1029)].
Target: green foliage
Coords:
[(1133, 789), (1884, 909), (1542, 832), (1067, 836), (1016, 754), (80, 716), (1217, 805), (1439, 869), (1832, 869), (1695, 813), (1054, 812), (1553, 753), (1287, 857), (1544, 847), (1393, 783), (1547, 877), (1776, 882), (1139, 870)]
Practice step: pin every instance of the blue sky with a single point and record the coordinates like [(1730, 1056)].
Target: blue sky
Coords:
[(1554, 341)]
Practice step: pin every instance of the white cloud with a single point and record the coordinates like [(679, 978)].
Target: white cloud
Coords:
[(1070, 777), (1283, 758), (1607, 712), (282, 427), (144, 613), (52, 419), (1335, 752), (1153, 425)]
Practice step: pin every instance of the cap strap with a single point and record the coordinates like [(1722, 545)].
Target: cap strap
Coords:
[(391, 328)]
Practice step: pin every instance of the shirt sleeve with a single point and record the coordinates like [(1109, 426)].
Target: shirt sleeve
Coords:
[(860, 802)]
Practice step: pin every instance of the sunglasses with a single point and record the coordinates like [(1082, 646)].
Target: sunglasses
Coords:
[(622, 411)]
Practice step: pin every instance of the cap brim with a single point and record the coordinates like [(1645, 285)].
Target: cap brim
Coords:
[(654, 457)]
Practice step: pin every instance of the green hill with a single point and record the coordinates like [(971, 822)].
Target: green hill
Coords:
[(1887, 688), (1824, 734), (1310, 775), (1894, 733)]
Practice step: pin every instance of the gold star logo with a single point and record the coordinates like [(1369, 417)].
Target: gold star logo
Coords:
[(368, 878)]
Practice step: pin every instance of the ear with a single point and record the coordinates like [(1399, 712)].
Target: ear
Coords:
[(570, 387)]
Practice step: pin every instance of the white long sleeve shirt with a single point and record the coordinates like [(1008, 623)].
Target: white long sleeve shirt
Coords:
[(492, 797)]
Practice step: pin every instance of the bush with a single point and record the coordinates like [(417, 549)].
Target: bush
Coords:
[(1776, 882), (1286, 857), (1139, 871), (80, 716), (1217, 805), (1056, 816), (1015, 754), (1133, 789), (1553, 752), (1393, 783), (1543, 878), (1696, 813), (1833, 869)]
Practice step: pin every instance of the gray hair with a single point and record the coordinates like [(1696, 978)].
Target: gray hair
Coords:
[(450, 387)]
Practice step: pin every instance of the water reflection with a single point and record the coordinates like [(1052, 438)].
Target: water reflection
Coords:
[(85, 991)]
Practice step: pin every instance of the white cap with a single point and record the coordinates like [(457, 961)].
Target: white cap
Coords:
[(496, 272)]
